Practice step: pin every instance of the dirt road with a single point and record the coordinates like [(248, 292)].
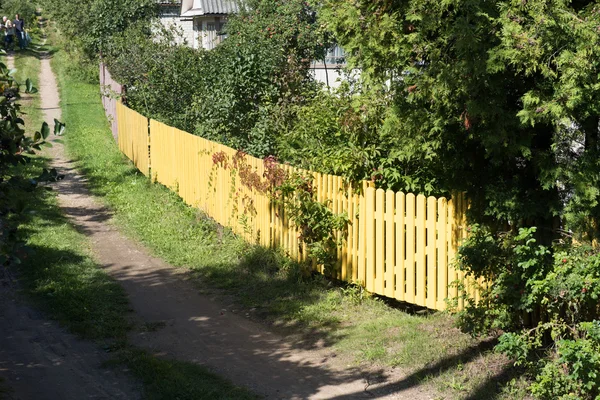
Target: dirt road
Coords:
[(38, 359)]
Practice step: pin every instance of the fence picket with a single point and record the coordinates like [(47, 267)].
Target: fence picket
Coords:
[(370, 239), (421, 266), (442, 255), (400, 247), (410, 248), (390, 245), (379, 286), (431, 252)]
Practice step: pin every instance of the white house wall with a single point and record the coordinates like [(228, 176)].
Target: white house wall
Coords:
[(328, 76)]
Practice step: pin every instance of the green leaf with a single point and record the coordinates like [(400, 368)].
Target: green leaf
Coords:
[(45, 130), (29, 88), (59, 127)]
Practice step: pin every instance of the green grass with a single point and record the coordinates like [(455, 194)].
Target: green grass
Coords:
[(363, 330), (59, 275), (171, 380), (27, 64)]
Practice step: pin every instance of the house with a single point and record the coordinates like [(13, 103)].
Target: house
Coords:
[(329, 70), (208, 17), (197, 23), (200, 23)]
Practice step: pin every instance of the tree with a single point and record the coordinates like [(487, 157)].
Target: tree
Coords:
[(260, 70), (161, 77), (490, 97), (92, 24)]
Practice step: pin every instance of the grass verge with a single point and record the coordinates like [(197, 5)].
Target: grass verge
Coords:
[(60, 276), (361, 329)]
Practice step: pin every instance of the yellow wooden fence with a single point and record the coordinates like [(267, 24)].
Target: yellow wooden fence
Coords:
[(398, 245), (133, 137)]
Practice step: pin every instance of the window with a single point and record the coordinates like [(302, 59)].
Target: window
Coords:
[(335, 55)]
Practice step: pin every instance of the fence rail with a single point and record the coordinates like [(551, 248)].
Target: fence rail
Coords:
[(398, 245)]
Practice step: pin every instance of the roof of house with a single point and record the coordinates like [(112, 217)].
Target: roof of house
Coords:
[(191, 8)]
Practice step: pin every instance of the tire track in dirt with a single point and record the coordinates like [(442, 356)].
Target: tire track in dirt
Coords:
[(197, 329)]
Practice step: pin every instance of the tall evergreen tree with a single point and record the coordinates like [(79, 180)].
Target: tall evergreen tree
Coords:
[(497, 98)]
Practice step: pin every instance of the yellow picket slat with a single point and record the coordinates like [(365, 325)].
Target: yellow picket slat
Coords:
[(370, 239), (430, 251), (421, 266), (400, 247), (355, 234), (379, 254), (390, 245), (442, 256), (411, 288)]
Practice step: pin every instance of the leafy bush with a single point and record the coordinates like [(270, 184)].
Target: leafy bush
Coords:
[(544, 302), (255, 78), (336, 133), (161, 77), (25, 8), (91, 25), (512, 264)]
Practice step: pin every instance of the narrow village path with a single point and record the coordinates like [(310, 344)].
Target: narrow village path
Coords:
[(195, 328), (39, 359)]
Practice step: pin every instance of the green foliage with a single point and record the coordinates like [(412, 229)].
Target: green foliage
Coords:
[(320, 228), (161, 77), (252, 81), (111, 17), (92, 24), (336, 133), (244, 93), (512, 264), (563, 290), (489, 97), (25, 8)]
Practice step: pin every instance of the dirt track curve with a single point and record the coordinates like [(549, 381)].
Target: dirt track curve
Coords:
[(196, 328)]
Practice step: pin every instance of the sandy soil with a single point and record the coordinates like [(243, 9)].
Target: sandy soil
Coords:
[(192, 326)]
